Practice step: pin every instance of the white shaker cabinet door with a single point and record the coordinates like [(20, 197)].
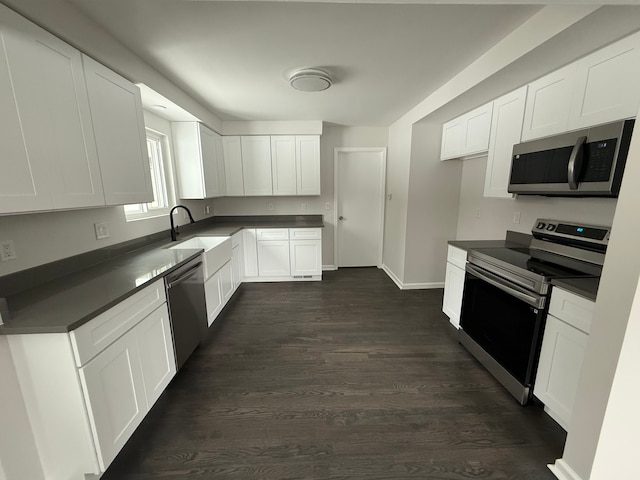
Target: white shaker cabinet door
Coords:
[(115, 395), (548, 103), (478, 123), (46, 135), (283, 164), (561, 357), (606, 87), (506, 129), (157, 359), (256, 165), (213, 297), (219, 153), (118, 126), (233, 166), (273, 258), (308, 164), (453, 134), (211, 171), (306, 257)]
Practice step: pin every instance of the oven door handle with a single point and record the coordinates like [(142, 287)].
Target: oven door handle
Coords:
[(530, 299)]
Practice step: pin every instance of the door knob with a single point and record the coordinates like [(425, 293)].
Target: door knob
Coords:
[(340, 217)]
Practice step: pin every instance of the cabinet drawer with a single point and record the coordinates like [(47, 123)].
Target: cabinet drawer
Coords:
[(272, 233), (457, 256), (305, 234), (572, 309), (100, 332)]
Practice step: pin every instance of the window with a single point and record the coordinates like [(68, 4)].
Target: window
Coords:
[(161, 181)]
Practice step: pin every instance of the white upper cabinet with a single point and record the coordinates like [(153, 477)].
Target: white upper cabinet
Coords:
[(506, 129), (606, 87), (233, 166), (548, 102), (199, 160), (308, 164), (256, 165), (283, 164), (47, 147), (467, 134), (118, 126), (596, 89)]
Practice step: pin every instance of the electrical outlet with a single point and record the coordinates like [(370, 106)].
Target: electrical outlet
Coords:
[(516, 217), (303, 207), (270, 206), (477, 214), (327, 206), (7, 251), (207, 209), (102, 230)]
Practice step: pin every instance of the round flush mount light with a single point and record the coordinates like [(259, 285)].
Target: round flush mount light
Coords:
[(310, 80), (158, 107)]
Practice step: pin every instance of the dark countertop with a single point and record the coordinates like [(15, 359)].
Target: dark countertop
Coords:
[(66, 302), (585, 287), (472, 244)]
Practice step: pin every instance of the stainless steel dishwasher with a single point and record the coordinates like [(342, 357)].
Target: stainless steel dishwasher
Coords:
[(187, 307)]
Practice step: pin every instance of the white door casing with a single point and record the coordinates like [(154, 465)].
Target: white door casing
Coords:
[(359, 189)]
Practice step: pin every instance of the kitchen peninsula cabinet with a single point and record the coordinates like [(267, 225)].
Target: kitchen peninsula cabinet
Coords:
[(86, 391), (199, 161), (49, 159), (118, 126), (564, 343)]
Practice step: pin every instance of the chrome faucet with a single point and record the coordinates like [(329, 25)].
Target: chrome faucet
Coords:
[(174, 229)]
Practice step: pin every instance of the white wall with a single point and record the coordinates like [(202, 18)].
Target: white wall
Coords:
[(434, 193), (18, 453), (332, 137), (496, 214)]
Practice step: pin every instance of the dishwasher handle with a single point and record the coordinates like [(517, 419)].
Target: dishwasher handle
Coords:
[(181, 277)]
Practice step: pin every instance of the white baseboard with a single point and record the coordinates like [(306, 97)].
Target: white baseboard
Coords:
[(410, 286), (329, 268), (563, 471)]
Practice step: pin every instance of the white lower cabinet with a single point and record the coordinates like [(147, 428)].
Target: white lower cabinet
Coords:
[(282, 254), (85, 400), (564, 342), (454, 284), (114, 392)]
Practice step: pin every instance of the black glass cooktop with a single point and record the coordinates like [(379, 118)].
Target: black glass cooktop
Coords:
[(552, 266)]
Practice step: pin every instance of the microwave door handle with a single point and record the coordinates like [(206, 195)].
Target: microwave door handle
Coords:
[(576, 160)]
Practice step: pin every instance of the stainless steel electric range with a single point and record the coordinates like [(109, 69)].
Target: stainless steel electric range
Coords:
[(506, 296)]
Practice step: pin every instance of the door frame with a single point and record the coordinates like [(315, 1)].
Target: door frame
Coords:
[(383, 182)]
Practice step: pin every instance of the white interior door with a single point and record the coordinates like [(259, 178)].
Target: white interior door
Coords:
[(360, 175)]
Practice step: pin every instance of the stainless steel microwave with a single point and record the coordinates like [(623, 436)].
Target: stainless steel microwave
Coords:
[(583, 163)]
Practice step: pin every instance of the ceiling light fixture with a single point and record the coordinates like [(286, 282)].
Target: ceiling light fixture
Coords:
[(158, 107), (310, 80)]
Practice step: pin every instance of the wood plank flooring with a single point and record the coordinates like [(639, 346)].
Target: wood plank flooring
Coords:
[(348, 378)]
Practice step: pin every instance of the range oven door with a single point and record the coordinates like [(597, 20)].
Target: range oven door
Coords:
[(502, 325)]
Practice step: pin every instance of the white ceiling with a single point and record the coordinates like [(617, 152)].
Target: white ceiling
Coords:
[(235, 57)]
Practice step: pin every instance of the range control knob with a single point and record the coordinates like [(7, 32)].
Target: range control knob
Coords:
[(541, 225), (551, 227)]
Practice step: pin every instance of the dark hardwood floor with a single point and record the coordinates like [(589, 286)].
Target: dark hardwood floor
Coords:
[(348, 378)]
